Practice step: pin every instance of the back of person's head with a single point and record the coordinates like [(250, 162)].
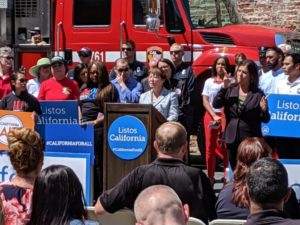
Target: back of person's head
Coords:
[(25, 150), (250, 150), (106, 95), (160, 205), (169, 137), (57, 197), (267, 182)]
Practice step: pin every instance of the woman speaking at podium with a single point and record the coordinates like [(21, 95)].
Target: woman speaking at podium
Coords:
[(165, 101)]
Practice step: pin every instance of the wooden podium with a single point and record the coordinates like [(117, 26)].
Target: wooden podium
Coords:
[(115, 168)]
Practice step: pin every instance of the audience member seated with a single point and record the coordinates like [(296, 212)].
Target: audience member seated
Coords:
[(58, 198), (25, 151), (165, 101), (160, 205), (232, 203), (20, 100), (191, 184), (129, 89), (41, 71), (58, 87), (267, 184)]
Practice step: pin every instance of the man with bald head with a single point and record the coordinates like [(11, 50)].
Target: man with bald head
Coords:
[(191, 184), (160, 205)]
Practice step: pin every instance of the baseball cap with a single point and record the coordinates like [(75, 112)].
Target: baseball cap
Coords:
[(85, 52), (5, 51), (35, 30), (56, 59)]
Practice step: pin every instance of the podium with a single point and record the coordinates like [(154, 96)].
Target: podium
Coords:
[(114, 167)]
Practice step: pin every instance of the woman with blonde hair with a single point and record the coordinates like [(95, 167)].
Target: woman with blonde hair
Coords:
[(26, 154)]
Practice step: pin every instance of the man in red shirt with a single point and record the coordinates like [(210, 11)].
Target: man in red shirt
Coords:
[(6, 64), (59, 87)]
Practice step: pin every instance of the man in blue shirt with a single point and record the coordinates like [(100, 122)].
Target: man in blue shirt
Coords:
[(129, 89)]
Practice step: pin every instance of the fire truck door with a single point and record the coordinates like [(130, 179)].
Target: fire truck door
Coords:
[(94, 24)]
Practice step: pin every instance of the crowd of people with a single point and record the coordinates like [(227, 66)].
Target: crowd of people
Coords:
[(236, 104)]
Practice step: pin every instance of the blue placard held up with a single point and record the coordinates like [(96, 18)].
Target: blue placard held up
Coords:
[(127, 137), (57, 112), (285, 116)]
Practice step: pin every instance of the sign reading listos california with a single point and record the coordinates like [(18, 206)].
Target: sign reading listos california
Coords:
[(127, 137)]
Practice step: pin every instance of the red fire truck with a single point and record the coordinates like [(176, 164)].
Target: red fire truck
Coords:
[(205, 30)]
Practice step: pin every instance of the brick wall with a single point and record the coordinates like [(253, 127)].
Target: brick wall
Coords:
[(276, 13)]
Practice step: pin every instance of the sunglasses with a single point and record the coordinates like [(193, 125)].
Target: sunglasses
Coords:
[(84, 55), (23, 80), (175, 52), (128, 49), (123, 70)]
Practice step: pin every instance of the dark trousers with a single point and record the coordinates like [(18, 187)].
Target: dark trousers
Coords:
[(98, 163), (232, 154)]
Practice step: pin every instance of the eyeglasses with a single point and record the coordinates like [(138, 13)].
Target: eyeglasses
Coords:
[(123, 70), (128, 49), (175, 52), (23, 80)]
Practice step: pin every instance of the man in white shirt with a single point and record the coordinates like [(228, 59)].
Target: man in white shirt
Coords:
[(291, 84), (267, 81)]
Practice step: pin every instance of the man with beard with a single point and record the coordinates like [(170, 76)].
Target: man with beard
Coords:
[(267, 81)]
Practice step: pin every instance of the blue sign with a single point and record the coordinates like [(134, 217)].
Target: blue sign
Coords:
[(127, 137), (70, 138), (285, 116), (57, 112)]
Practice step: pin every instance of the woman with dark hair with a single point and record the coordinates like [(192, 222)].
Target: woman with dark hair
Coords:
[(26, 154), (20, 99), (93, 95), (214, 119), (58, 198), (81, 74), (232, 202), (245, 108)]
